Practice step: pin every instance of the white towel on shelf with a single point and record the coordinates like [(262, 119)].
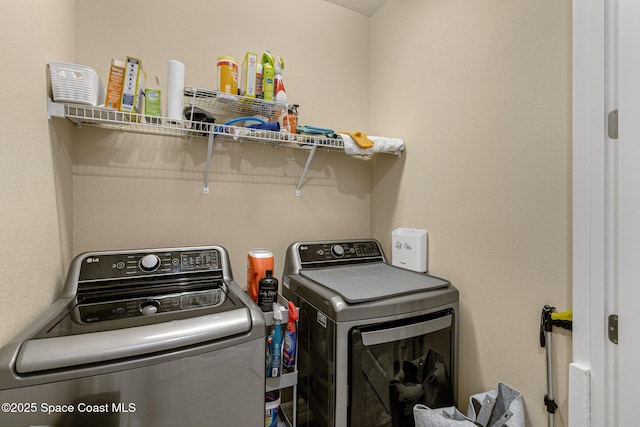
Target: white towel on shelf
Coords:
[(381, 144)]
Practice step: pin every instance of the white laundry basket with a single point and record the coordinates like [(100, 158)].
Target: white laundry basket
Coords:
[(76, 83)]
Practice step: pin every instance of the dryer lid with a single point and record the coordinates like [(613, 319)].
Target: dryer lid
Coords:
[(372, 281)]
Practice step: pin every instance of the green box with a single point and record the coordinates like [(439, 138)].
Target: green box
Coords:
[(152, 104)]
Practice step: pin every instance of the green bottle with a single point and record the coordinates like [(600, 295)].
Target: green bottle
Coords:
[(268, 75)]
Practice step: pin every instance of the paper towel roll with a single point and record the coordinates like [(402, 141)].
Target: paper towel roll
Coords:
[(175, 90)]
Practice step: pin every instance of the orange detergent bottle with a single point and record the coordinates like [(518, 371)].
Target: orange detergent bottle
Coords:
[(259, 260)]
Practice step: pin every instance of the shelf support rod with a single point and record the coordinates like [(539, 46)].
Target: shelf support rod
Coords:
[(306, 167), (205, 189)]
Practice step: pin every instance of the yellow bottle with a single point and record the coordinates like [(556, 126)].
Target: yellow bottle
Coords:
[(268, 75)]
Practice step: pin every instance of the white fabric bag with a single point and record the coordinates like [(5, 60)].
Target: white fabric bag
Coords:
[(499, 407)]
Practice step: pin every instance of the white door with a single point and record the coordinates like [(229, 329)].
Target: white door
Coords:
[(605, 377), (628, 213)]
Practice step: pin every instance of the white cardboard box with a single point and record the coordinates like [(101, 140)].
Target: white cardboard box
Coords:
[(248, 75), (134, 84), (409, 249)]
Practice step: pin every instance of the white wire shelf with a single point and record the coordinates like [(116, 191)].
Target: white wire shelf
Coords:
[(83, 115)]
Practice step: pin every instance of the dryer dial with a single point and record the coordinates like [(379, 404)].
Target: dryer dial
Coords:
[(337, 251)]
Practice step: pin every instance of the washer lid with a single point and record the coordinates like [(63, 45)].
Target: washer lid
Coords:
[(372, 281), (72, 351)]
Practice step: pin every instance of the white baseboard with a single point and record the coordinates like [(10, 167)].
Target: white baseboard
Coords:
[(579, 396)]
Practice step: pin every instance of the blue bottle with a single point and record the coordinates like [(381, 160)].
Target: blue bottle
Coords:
[(274, 343)]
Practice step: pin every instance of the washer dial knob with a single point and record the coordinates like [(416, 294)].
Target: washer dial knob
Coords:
[(149, 262), (149, 307), (337, 251)]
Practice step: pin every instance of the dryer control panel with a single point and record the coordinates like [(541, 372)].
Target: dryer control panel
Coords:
[(344, 252)]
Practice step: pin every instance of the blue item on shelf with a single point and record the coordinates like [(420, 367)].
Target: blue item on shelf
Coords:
[(315, 130), (272, 126)]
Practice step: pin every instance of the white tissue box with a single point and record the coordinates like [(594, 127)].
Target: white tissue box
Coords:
[(409, 249)]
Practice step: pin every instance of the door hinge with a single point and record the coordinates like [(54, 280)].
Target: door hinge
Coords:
[(612, 328), (612, 124)]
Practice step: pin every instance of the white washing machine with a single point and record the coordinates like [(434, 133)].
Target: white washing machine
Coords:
[(149, 337), (374, 339)]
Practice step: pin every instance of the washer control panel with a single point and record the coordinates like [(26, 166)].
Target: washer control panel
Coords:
[(114, 265), (339, 252), (147, 306), (151, 284)]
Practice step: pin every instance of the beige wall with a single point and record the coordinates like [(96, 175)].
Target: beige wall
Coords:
[(146, 191), (35, 176), (481, 91)]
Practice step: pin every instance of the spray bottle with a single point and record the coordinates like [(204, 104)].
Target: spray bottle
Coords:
[(268, 74), (290, 119), (274, 344), (290, 338), (279, 93)]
